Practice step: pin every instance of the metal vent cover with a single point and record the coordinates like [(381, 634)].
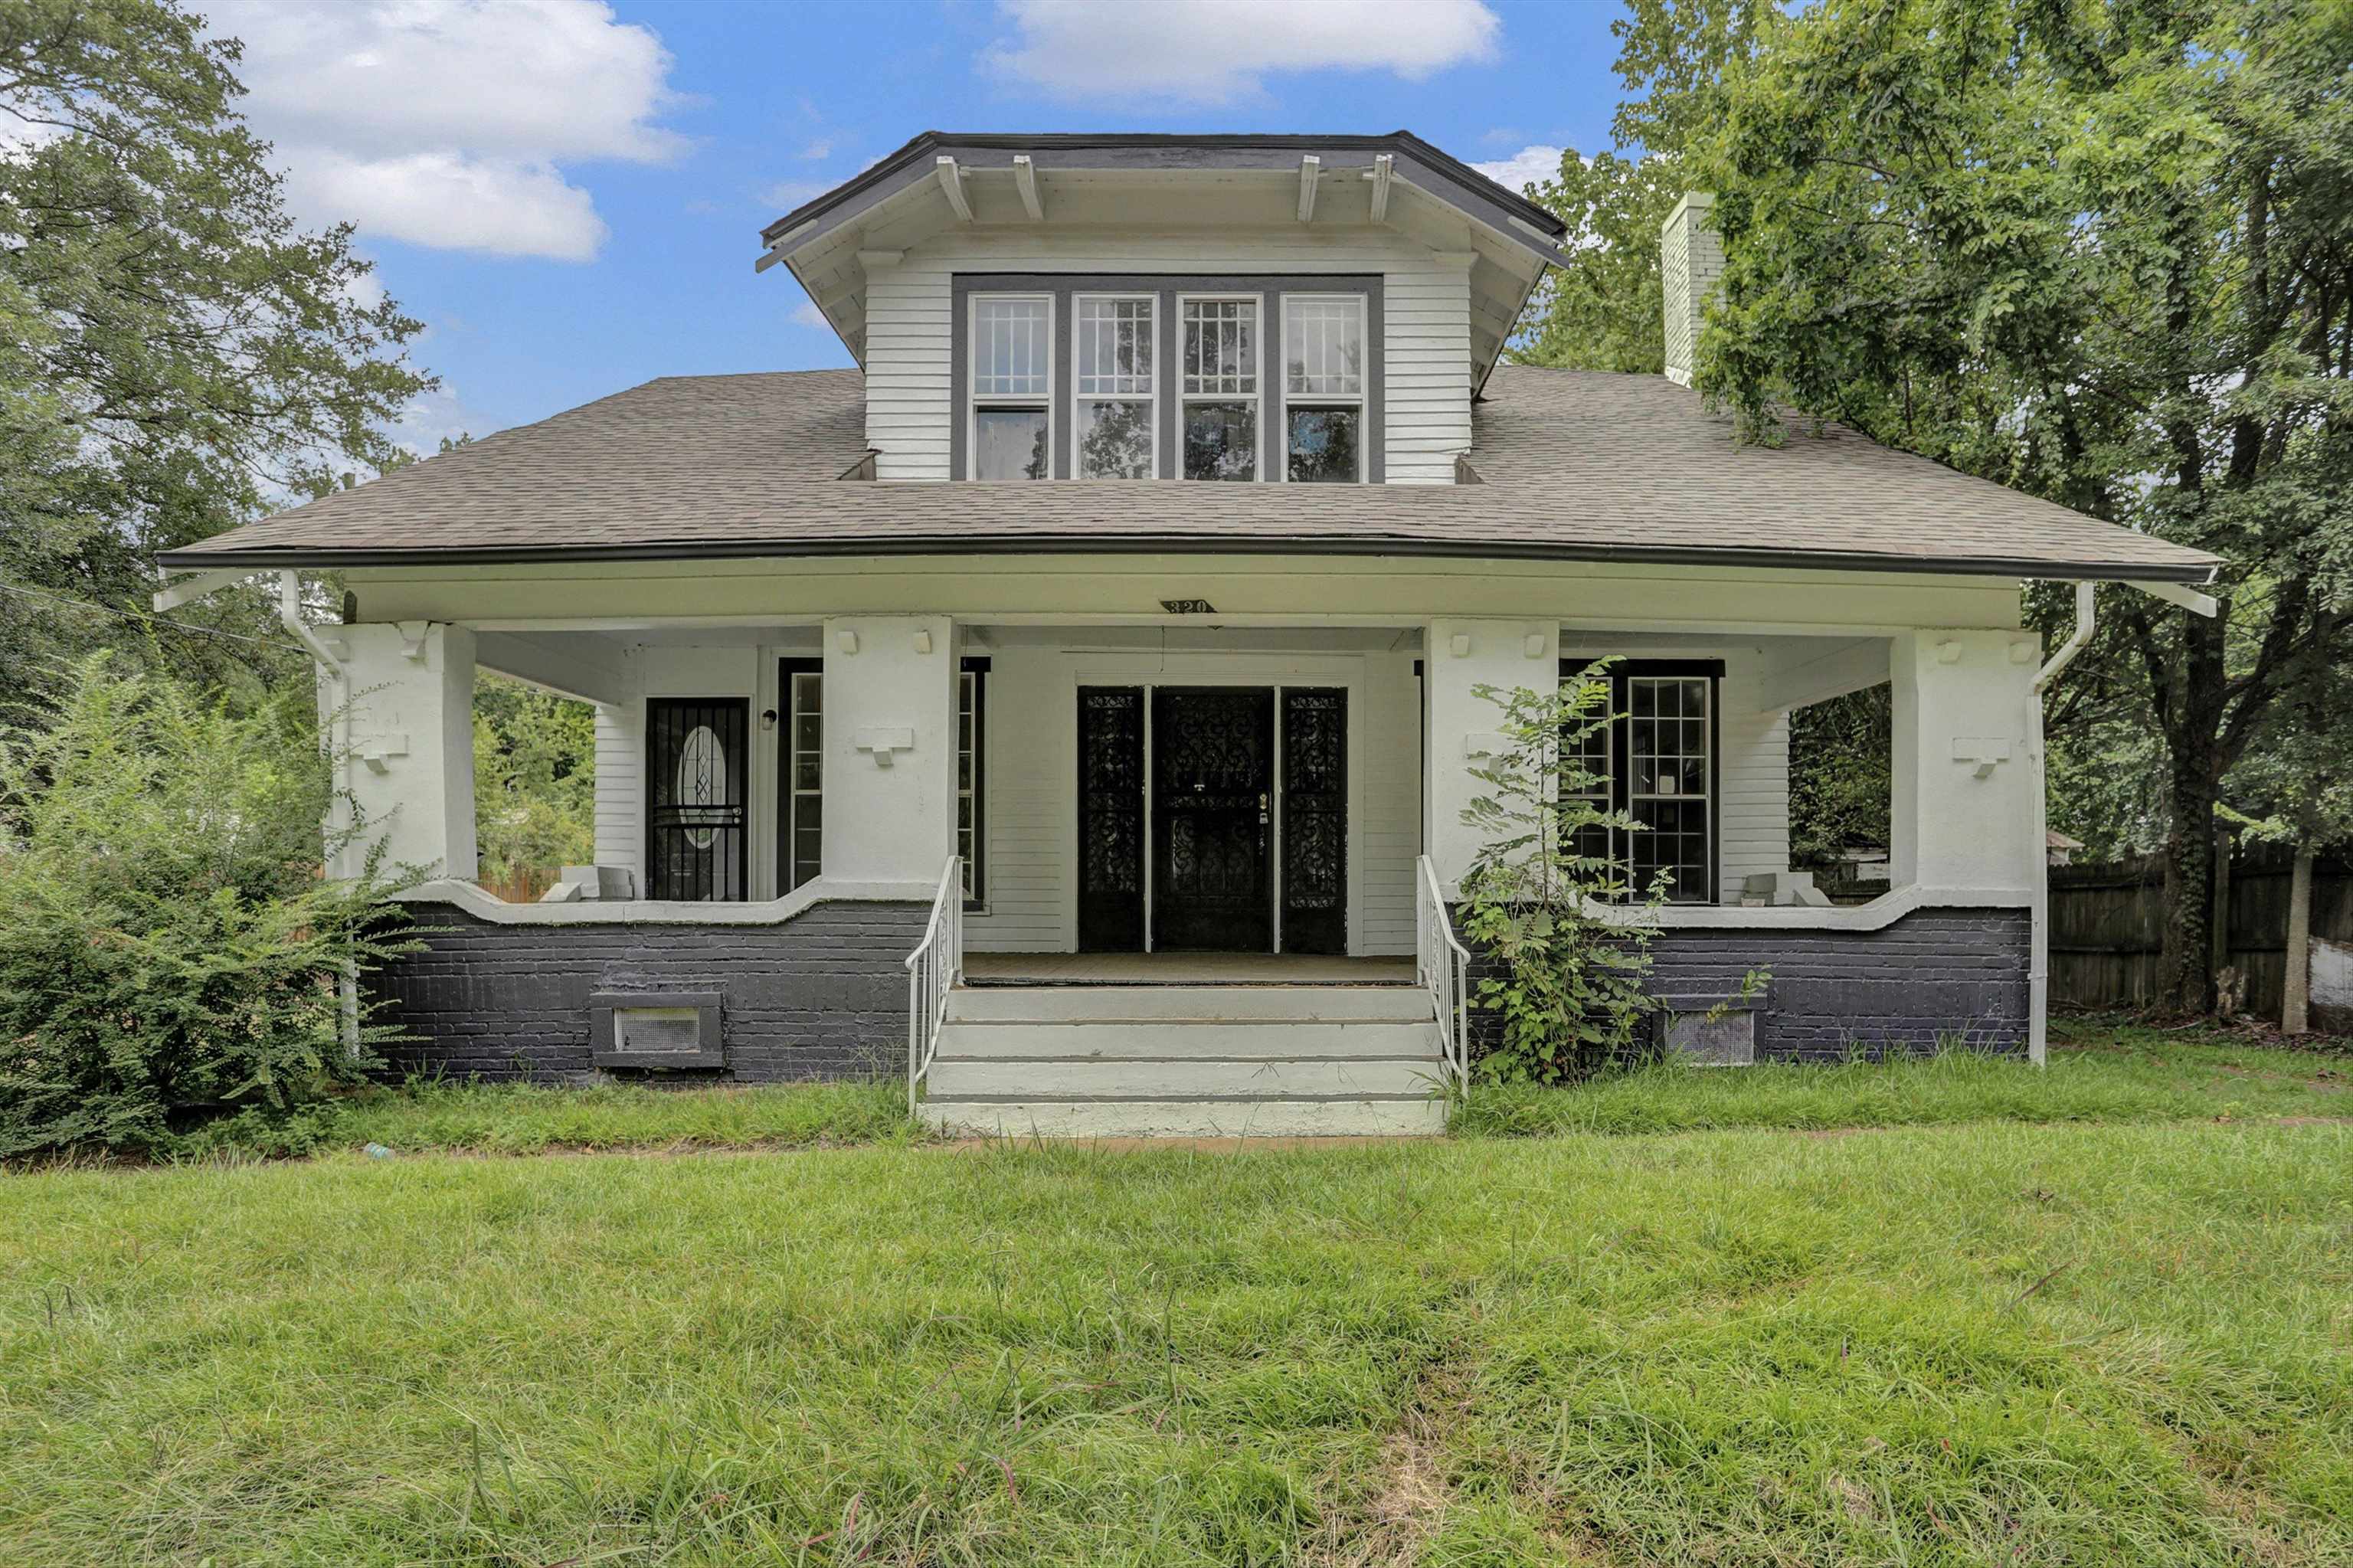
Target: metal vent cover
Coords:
[(656, 1030)]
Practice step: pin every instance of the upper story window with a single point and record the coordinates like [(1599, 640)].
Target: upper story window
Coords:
[(1012, 361), (1324, 388), (1111, 417), (1219, 376), (1264, 378)]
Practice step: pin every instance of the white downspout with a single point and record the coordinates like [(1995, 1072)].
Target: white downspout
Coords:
[(2038, 966), (290, 615)]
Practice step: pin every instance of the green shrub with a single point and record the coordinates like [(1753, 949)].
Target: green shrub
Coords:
[(168, 948), (1567, 991)]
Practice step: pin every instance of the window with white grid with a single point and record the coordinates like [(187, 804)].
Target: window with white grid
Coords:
[(1112, 386), (1324, 388), (1012, 376), (1667, 782), (1219, 368), (1654, 762)]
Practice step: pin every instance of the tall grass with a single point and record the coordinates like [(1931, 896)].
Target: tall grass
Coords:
[(1988, 1343), (2095, 1072)]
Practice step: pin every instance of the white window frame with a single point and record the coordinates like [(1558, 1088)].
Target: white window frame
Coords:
[(1150, 398), (975, 400), (1361, 398), (1257, 401)]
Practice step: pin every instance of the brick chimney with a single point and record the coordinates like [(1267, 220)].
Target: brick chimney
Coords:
[(1691, 261)]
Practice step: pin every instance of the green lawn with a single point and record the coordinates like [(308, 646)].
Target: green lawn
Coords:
[(1982, 1341)]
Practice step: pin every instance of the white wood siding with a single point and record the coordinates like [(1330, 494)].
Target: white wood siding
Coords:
[(620, 787), (1426, 329)]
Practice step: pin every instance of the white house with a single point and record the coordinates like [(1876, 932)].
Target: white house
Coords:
[(1071, 707)]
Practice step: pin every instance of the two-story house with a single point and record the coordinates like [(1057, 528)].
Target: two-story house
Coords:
[(1072, 707)]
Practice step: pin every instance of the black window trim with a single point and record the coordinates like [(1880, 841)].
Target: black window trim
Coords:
[(977, 667), (786, 668), (1621, 740), (1167, 286)]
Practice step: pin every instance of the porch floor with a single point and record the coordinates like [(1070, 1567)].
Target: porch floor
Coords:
[(1182, 969)]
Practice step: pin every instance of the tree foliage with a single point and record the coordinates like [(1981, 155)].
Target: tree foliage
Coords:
[(2101, 252), (167, 945), (535, 780), (1602, 309), (175, 353)]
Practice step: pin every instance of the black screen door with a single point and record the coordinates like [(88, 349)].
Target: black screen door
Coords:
[(1213, 816), (1314, 819), (1110, 819), (695, 757)]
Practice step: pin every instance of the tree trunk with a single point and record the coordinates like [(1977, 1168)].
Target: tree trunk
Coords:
[(2185, 970), (2295, 992)]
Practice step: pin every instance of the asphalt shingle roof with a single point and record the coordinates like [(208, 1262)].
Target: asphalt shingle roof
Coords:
[(1576, 465)]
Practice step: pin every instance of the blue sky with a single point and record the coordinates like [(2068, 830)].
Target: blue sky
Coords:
[(568, 192)]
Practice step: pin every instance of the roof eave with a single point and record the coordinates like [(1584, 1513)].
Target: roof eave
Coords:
[(259, 558)]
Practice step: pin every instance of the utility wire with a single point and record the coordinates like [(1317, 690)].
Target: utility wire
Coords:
[(180, 626)]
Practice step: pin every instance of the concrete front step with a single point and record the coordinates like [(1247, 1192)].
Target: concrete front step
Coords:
[(1141, 1039), (1242, 1118), (1090, 1003), (1193, 1079), (1199, 1061)]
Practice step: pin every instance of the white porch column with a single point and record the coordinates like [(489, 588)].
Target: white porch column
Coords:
[(1965, 809), (409, 687), (1458, 655), (890, 747)]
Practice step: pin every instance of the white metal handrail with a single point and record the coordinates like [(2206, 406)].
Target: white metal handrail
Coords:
[(933, 969), (1442, 965)]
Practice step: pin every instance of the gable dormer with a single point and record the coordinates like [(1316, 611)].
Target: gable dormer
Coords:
[(1254, 309)]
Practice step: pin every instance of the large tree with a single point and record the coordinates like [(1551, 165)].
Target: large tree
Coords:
[(2101, 251), (176, 353)]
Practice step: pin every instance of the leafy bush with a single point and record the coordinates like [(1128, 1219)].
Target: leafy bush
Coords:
[(168, 946), (1570, 994)]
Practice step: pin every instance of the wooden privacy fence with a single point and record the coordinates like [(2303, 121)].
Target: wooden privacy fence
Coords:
[(2106, 922)]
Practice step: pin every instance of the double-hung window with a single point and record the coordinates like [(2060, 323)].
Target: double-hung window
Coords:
[(1012, 362), (1219, 371), (1324, 388), (1656, 763), (1112, 393)]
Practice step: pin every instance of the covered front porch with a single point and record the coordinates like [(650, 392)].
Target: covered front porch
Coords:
[(1186, 796)]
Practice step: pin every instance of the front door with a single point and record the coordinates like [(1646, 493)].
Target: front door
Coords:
[(1213, 819)]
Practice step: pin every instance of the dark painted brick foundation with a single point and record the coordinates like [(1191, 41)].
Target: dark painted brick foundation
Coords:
[(1933, 976), (1950, 974), (823, 995)]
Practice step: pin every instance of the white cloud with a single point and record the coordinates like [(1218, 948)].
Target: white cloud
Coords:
[(453, 201), (1529, 166), (447, 123), (1215, 51), (437, 415), (806, 314)]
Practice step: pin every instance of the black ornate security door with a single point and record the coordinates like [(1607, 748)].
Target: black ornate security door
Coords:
[(1110, 819), (1314, 819), (1213, 818)]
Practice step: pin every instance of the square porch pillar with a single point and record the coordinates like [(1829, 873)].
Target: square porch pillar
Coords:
[(890, 747), (404, 716), (1965, 809), (1459, 655)]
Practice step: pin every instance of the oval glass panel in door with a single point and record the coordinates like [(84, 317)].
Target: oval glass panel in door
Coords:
[(701, 781)]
